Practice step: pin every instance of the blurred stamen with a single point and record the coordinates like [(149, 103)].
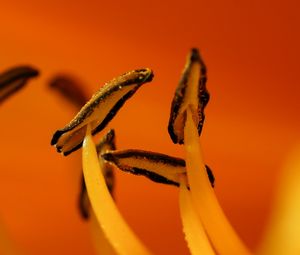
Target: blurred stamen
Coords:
[(14, 79)]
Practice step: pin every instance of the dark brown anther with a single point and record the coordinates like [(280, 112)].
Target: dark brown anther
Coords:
[(157, 167), (14, 79), (101, 108), (70, 89), (211, 176), (190, 93), (107, 143)]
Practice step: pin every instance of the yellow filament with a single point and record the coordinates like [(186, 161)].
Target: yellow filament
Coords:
[(283, 233), (220, 232), (195, 235), (101, 244), (118, 233)]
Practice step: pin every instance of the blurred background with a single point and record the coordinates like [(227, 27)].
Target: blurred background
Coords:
[(251, 49)]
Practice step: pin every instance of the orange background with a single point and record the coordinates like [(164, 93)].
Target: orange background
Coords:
[(251, 49)]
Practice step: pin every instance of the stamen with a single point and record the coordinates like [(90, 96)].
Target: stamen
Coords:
[(118, 233), (155, 166), (222, 235), (186, 121), (101, 108), (72, 91)]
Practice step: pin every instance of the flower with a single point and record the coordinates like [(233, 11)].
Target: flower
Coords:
[(247, 130)]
